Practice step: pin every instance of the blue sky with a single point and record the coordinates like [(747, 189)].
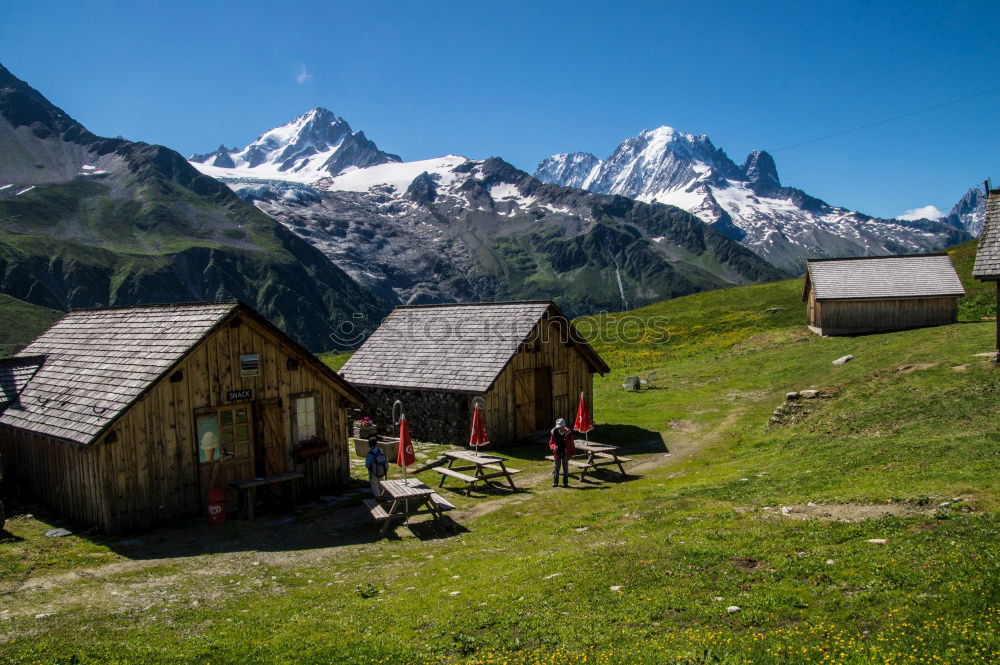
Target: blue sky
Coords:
[(523, 80)]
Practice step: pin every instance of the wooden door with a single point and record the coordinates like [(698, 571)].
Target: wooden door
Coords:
[(270, 446), (236, 434), (524, 402), (543, 398), (560, 397), (225, 447)]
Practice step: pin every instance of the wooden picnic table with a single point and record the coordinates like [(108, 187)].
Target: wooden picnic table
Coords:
[(406, 498), (485, 465), (596, 455), (247, 489)]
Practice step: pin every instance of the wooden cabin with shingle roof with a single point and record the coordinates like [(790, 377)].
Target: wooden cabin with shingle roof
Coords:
[(880, 293), (121, 418), (524, 359), (987, 267)]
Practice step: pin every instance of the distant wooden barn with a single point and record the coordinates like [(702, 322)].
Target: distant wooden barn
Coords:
[(525, 359), (872, 294), (987, 266), (122, 418)]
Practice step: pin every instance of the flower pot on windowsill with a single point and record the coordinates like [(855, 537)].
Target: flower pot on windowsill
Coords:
[(302, 454), (365, 432)]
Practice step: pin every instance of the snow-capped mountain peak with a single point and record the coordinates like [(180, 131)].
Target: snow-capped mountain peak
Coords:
[(747, 203), (317, 144), (318, 131), (970, 212)]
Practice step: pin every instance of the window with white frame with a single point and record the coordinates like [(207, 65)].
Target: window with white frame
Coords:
[(304, 410)]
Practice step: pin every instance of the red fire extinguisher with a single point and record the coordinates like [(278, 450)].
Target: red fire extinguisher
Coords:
[(216, 505)]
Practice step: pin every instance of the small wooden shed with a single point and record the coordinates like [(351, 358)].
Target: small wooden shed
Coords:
[(524, 359), (987, 267), (880, 293), (124, 417)]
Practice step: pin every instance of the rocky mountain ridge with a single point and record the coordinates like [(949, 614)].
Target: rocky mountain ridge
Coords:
[(454, 229), (747, 202), (91, 221), (317, 144)]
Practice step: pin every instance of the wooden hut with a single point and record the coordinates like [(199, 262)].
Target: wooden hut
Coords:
[(524, 359), (124, 417), (881, 293), (987, 267)]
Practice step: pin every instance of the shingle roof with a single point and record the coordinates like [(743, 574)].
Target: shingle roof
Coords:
[(98, 361), (988, 256), (460, 348), (925, 275), (14, 376)]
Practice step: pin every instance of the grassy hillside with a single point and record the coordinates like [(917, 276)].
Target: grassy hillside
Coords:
[(334, 360), (856, 528), (146, 227), (22, 322), (980, 301), (72, 245)]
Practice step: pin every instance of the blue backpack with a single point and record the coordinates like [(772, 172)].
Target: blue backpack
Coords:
[(380, 465)]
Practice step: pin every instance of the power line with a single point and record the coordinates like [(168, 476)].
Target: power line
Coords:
[(892, 119)]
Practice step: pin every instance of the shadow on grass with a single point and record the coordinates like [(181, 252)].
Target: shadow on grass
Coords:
[(608, 475), (309, 527), (585, 485), (631, 439), (481, 491), (429, 529), (6, 537)]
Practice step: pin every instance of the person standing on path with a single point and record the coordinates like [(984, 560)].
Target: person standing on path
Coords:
[(561, 445), (377, 465)]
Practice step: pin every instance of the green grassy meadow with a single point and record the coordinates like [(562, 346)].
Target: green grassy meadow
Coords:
[(735, 539), (22, 322)]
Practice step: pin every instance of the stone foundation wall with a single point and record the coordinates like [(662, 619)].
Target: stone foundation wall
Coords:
[(437, 417)]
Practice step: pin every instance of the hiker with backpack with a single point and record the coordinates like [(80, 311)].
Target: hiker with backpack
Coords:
[(377, 464), (562, 447)]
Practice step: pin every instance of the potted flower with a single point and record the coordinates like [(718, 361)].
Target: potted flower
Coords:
[(364, 428), (311, 447)]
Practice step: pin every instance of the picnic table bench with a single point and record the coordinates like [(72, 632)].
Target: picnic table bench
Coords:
[(595, 456), (480, 463), (406, 498), (247, 489)]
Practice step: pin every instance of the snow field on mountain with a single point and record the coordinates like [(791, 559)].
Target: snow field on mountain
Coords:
[(398, 175)]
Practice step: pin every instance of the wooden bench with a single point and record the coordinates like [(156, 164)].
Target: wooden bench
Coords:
[(454, 474), (441, 502), (572, 462), (496, 467), (445, 472), (377, 510), (613, 457), (247, 489)]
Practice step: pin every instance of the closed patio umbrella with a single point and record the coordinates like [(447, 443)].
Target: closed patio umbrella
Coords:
[(583, 423), (405, 456), (478, 435)]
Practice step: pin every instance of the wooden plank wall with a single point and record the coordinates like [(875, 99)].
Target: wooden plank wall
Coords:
[(150, 472), (66, 473), (551, 353), (846, 316)]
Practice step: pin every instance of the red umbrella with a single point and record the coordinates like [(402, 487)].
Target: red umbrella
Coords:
[(584, 423), (478, 436), (405, 456)]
